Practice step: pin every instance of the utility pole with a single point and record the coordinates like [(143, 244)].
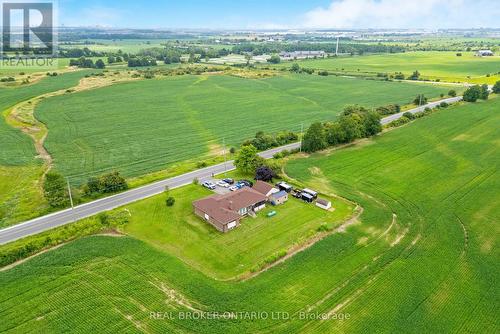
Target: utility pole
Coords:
[(337, 48), (225, 159), (70, 196), (301, 136)]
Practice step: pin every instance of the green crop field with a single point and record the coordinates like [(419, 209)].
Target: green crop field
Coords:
[(433, 65), (17, 148), (125, 45), (144, 126), (20, 172), (178, 231), (423, 259), (15, 69)]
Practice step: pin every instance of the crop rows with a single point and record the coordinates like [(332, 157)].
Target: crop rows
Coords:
[(439, 276), (170, 120)]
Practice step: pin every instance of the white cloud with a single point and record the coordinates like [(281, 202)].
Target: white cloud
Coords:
[(405, 14)]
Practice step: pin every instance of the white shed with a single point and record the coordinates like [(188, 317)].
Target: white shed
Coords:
[(323, 204)]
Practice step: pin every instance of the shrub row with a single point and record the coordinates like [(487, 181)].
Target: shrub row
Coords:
[(263, 141)]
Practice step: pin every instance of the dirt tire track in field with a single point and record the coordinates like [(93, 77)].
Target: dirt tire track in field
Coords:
[(358, 211)]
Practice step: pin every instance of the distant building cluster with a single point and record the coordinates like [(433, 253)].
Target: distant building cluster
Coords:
[(302, 55), (484, 53)]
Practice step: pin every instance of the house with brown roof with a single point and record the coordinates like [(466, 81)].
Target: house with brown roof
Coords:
[(265, 188), (224, 212)]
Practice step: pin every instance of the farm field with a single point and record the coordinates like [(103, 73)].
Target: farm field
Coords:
[(7, 70), (18, 148), (21, 193), (59, 64), (20, 171), (126, 45), (179, 232), (179, 118), (445, 66), (423, 259)]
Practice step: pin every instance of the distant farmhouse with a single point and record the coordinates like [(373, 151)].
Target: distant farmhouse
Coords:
[(302, 55), (484, 53)]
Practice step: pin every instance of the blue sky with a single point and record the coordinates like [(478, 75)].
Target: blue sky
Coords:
[(300, 14)]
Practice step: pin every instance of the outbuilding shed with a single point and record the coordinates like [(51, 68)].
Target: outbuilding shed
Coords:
[(278, 198), (323, 204)]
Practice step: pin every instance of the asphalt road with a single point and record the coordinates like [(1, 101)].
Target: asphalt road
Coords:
[(431, 105), (67, 216)]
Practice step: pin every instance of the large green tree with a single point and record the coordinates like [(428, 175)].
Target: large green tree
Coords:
[(315, 138), (247, 160), (472, 94), (100, 64), (55, 190), (485, 93), (496, 87), (351, 125), (371, 124), (335, 134), (275, 59)]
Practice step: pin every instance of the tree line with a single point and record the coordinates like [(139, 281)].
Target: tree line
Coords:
[(263, 141), (355, 122), (56, 190), (474, 93), (257, 49), (83, 62)]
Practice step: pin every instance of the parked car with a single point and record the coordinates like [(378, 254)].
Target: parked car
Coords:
[(228, 180), (234, 188), (209, 185), (222, 184), (246, 183)]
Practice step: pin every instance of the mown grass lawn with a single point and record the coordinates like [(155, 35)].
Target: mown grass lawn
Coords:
[(146, 126), (178, 231)]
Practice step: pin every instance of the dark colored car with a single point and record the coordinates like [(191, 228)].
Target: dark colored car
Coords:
[(246, 183), (228, 181)]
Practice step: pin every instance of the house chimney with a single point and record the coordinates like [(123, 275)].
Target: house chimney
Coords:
[(231, 205)]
